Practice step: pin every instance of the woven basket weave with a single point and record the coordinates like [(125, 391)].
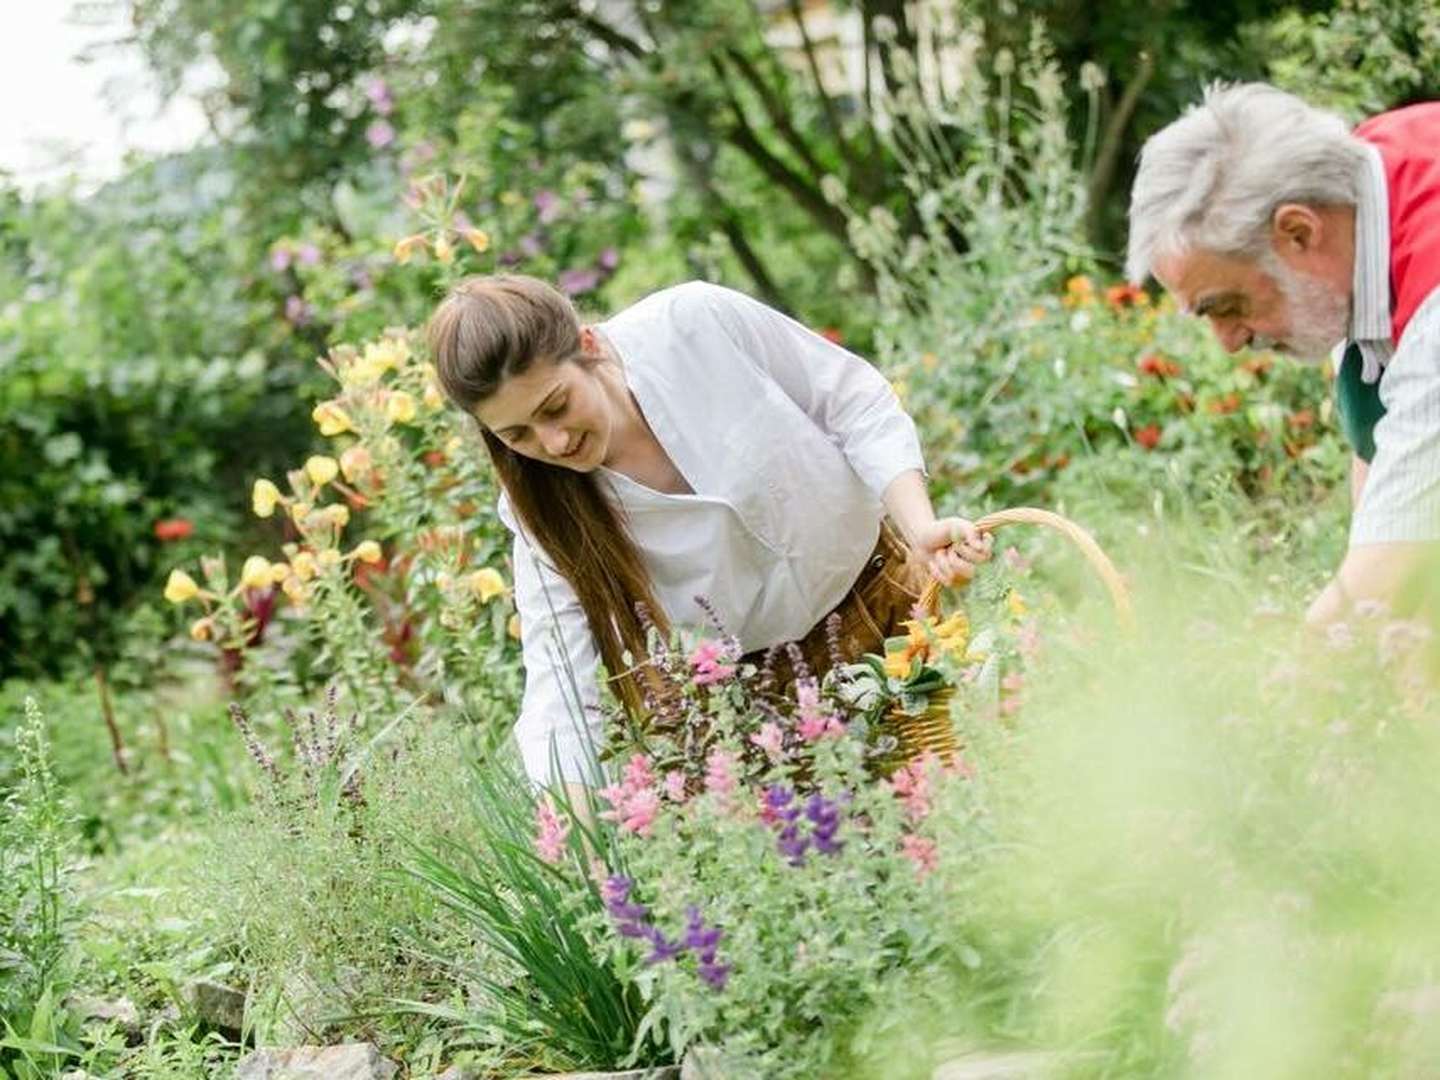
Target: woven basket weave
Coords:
[(933, 731)]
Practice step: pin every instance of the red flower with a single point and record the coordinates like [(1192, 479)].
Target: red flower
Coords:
[(1223, 406), (1301, 420), (1124, 296), (1157, 365), (833, 335), (169, 529), (1148, 436), (434, 458)]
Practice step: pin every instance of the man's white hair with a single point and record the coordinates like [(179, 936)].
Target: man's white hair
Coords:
[(1211, 180)]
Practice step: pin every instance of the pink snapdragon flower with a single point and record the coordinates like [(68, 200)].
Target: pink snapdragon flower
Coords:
[(816, 721), (921, 851), (551, 831), (675, 785), (634, 801), (912, 785), (720, 778), (708, 663), (770, 739)]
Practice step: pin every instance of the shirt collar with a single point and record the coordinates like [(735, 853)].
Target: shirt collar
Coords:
[(1370, 325)]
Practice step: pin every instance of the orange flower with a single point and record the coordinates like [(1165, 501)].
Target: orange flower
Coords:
[(1157, 365), (1125, 296), (173, 529), (1224, 406), (1148, 436)]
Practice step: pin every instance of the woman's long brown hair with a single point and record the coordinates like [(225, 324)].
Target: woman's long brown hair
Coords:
[(488, 329)]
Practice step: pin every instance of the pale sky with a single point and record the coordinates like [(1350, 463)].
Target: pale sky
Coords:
[(57, 118)]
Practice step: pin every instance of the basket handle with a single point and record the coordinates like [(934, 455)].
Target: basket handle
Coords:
[(1081, 538)]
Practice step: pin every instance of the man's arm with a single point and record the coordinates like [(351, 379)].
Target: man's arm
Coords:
[(1379, 573), (1359, 469)]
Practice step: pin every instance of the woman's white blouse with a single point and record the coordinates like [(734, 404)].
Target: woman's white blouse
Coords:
[(788, 442)]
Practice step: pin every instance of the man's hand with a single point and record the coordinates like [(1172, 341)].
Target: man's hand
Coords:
[(951, 549)]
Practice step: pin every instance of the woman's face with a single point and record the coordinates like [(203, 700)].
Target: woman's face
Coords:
[(556, 412)]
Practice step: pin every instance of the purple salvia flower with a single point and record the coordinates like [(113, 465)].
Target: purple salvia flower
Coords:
[(715, 975), (661, 949), (792, 845), (832, 641), (577, 282)]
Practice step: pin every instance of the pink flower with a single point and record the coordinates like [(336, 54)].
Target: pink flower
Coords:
[(280, 259), (634, 801), (675, 785), (308, 254), (706, 663), (720, 776), (551, 831), (912, 786), (380, 134), (379, 94), (816, 721), (770, 739), (1015, 562), (1013, 682), (921, 851), (1010, 705), (1027, 642)]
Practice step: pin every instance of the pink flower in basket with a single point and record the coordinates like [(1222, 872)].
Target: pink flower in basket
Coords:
[(720, 778), (707, 662), (634, 801), (770, 739), (816, 721)]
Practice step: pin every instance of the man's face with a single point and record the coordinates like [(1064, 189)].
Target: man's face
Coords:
[(1259, 303)]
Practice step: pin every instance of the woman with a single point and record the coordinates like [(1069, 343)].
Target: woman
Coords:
[(697, 444)]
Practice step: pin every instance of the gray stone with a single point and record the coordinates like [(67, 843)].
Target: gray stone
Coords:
[(216, 1005), (660, 1072), (708, 1063), (121, 1011), (348, 1061)]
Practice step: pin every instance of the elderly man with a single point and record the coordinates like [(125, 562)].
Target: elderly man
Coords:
[(1291, 232)]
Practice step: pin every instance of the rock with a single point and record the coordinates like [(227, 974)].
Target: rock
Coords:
[(216, 1005), (121, 1011), (659, 1072), (348, 1061), (708, 1063)]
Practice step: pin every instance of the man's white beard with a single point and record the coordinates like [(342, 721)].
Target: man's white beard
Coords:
[(1319, 317)]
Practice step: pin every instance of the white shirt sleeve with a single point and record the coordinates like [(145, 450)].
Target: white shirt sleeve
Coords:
[(843, 394), (560, 724), (1401, 498)]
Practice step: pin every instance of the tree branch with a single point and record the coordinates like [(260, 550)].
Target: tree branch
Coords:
[(1102, 174), (827, 103), (775, 108)]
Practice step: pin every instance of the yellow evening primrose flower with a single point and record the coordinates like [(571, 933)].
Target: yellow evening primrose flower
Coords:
[(299, 511), (203, 629), (444, 250), (367, 551), (278, 572), (321, 469), (355, 463), (295, 589), (255, 574), (400, 408), (406, 247), (263, 497), (513, 626), (332, 419), (338, 515), (180, 586), (327, 558), (479, 239), (486, 583), (304, 565)]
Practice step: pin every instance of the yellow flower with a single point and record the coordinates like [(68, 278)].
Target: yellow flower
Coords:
[(1016, 603), (355, 463), (295, 589), (479, 239), (897, 664), (511, 198), (513, 626), (299, 511), (400, 408), (406, 247), (263, 497), (321, 469), (278, 572), (180, 586), (433, 397), (338, 515), (327, 558), (303, 563), (331, 419), (255, 574), (444, 251), (367, 551), (486, 583), (203, 629), (1079, 290)]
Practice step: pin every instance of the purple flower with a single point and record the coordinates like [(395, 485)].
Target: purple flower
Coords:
[(662, 950), (608, 259), (531, 245), (379, 94), (578, 282), (297, 311), (380, 134), (792, 845), (547, 204), (280, 259), (698, 937), (715, 975), (308, 255)]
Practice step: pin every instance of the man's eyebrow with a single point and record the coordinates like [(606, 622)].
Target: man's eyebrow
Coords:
[(1206, 304)]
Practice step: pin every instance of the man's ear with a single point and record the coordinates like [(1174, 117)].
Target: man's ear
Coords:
[(589, 342), (1295, 229)]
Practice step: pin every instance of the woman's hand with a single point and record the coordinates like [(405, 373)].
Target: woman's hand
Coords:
[(951, 549)]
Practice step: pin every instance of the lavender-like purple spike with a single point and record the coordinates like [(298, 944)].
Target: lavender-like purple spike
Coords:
[(730, 642), (832, 640), (798, 667), (252, 744)]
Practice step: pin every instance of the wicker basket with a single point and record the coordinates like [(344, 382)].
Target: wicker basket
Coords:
[(933, 731)]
